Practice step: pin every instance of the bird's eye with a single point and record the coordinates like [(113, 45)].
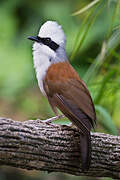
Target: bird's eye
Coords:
[(47, 40)]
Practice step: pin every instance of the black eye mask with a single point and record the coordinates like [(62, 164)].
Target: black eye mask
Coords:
[(46, 41)]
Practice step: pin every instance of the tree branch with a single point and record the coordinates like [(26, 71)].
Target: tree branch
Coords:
[(35, 144)]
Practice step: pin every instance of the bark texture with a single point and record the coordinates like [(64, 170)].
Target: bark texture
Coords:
[(35, 144)]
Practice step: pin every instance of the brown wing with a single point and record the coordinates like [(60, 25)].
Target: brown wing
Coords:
[(73, 99)]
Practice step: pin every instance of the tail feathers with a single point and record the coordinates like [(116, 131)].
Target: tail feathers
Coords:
[(85, 148)]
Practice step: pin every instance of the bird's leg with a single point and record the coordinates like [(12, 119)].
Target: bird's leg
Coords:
[(53, 118)]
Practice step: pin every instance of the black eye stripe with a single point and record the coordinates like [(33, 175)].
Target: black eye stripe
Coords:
[(48, 42), (53, 45)]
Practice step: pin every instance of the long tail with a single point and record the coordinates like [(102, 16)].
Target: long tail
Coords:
[(85, 148)]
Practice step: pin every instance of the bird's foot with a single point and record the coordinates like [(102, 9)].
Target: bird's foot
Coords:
[(53, 118), (72, 125)]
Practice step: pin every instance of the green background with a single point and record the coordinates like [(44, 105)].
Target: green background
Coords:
[(93, 48)]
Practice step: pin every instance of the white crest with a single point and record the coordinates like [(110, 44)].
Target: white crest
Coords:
[(53, 30)]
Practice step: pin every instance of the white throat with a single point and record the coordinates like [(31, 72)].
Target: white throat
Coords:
[(41, 64), (42, 61)]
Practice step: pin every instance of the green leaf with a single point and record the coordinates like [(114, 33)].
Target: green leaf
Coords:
[(90, 5), (111, 42), (105, 80), (106, 120), (85, 28)]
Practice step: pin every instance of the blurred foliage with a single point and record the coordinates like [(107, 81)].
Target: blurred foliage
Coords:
[(93, 45)]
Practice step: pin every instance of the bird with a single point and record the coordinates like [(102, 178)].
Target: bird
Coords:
[(61, 85)]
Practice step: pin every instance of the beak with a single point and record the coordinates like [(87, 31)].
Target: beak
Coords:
[(34, 38)]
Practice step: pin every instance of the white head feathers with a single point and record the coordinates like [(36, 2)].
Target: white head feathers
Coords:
[(54, 31)]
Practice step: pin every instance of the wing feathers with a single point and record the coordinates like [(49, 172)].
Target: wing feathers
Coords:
[(77, 94), (73, 113), (80, 96)]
